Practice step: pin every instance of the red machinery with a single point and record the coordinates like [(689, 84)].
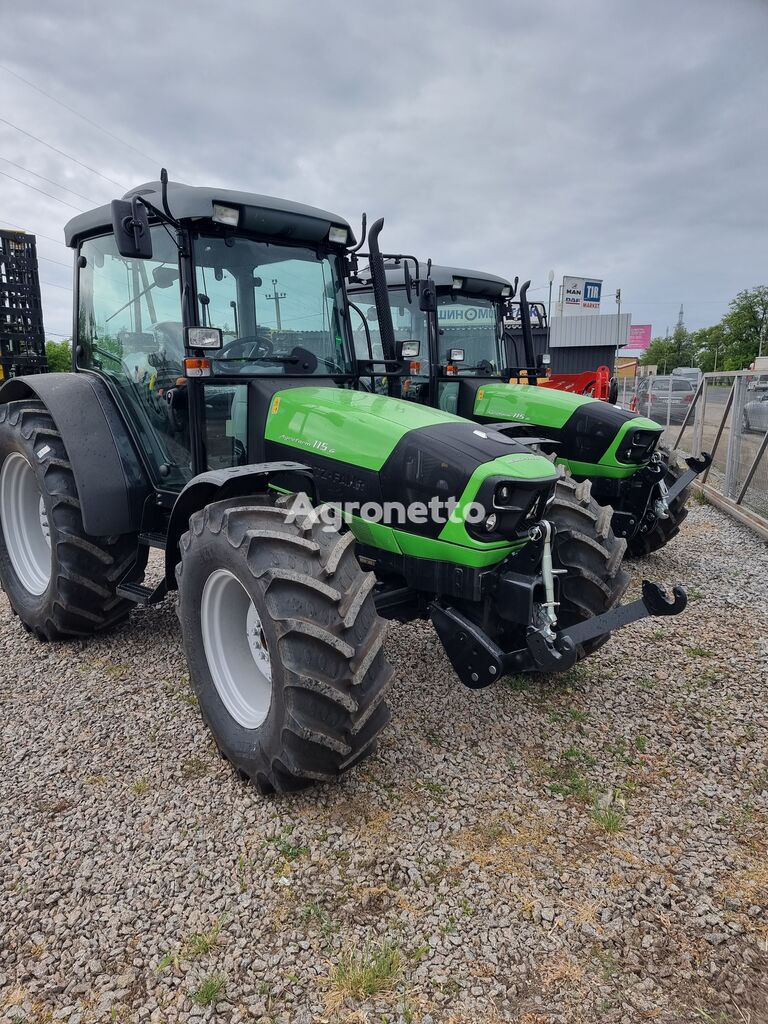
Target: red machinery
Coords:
[(594, 383)]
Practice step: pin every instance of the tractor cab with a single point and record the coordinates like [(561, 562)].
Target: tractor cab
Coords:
[(188, 296), (449, 324)]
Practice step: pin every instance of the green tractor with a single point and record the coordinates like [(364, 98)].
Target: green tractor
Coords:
[(216, 414), (462, 359)]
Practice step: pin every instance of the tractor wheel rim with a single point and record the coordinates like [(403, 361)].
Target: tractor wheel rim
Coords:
[(235, 649), (25, 524)]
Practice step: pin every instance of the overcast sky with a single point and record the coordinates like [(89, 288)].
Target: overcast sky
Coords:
[(617, 139)]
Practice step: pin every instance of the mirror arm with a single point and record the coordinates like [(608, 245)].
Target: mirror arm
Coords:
[(166, 218)]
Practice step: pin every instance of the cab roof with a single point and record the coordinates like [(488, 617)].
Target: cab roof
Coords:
[(476, 282), (265, 215)]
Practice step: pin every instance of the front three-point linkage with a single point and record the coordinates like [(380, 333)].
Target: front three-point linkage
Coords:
[(478, 660)]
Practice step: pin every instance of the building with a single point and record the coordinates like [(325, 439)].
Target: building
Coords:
[(580, 343), (22, 336)]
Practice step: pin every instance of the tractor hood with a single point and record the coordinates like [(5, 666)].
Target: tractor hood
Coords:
[(590, 433), (367, 449), (363, 429)]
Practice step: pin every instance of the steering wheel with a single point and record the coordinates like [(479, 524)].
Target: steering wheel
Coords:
[(251, 346)]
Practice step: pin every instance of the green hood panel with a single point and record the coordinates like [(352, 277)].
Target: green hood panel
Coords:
[(350, 426), (525, 403)]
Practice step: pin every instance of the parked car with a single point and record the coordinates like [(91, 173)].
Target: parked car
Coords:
[(691, 373), (756, 415), (657, 394), (759, 383)]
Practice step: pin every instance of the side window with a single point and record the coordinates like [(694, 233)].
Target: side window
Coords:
[(130, 331), (360, 334)]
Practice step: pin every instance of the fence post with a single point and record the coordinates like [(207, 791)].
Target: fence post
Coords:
[(698, 420), (730, 485)]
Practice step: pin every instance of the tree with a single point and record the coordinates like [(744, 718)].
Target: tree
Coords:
[(708, 346), (59, 356), (746, 326), (659, 353)]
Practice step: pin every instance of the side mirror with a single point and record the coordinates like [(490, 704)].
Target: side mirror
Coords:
[(428, 297), (455, 355), (409, 349), (372, 315), (130, 224)]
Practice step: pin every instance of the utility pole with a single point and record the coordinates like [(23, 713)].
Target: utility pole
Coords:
[(618, 327), (549, 305), (275, 297)]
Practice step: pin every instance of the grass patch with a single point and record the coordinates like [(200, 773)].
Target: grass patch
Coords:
[(699, 652), (202, 942), (194, 768), (435, 788), (210, 990), (313, 913), (365, 972), (140, 787), (567, 778), (610, 819), (641, 744), (289, 850)]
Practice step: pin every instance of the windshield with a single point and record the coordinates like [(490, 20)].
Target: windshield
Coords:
[(469, 323), (280, 308), (464, 322)]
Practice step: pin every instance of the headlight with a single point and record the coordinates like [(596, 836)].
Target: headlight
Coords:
[(512, 506), (638, 446), (228, 215), (337, 236)]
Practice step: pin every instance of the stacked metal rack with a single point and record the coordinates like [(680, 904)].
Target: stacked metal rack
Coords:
[(22, 336)]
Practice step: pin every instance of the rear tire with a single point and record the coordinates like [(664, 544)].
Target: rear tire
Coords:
[(293, 593), (663, 530), (68, 588), (586, 546)]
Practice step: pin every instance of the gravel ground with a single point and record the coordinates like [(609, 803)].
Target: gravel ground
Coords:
[(590, 847)]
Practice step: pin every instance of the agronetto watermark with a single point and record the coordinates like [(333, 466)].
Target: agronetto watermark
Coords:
[(389, 513)]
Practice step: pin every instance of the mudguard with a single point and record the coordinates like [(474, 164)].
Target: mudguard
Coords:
[(109, 475), (219, 484)]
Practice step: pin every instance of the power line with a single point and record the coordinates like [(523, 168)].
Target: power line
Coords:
[(57, 262), (61, 152), (50, 181), (16, 227), (50, 284), (42, 192), (77, 113)]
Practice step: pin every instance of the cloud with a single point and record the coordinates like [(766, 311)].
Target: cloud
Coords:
[(617, 140)]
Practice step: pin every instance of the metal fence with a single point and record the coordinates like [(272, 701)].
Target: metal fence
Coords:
[(726, 414)]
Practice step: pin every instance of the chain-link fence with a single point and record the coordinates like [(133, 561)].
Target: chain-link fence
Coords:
[(725, 414)]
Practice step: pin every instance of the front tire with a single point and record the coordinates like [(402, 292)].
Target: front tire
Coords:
[(587, 548), (283, 643), (60, 580)]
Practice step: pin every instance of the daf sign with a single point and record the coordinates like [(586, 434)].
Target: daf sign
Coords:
[(581, 295)]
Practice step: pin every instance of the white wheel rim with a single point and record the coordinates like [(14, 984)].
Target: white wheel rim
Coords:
[(25, 524), (235, 648)]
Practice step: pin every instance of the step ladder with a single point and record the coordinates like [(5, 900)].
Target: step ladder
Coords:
[(137, 592)]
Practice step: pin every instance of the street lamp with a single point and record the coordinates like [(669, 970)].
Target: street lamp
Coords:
[(549, 304)]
